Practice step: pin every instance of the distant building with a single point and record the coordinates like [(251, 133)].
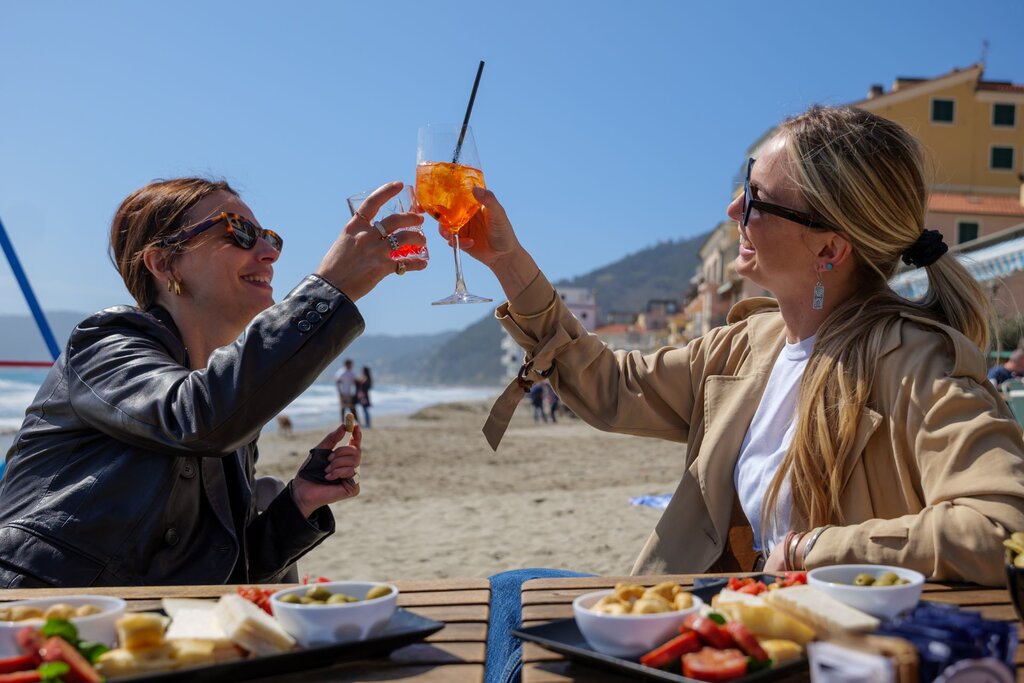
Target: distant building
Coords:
[(583, 304), (628, 337), (620, 318), (973, 137), (657, 314)]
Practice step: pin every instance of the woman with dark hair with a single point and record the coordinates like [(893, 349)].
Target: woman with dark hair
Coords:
[(363, 385), (136, 460)]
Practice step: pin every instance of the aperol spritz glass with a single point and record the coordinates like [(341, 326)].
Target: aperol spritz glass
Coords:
[(447, 169)]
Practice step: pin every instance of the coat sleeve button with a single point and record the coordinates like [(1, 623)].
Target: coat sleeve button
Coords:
[(304, 326), (322, 307), (313, 317), (171, 536)]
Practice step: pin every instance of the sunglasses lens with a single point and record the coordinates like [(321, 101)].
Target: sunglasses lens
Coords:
[(243, 232), (273, 239)]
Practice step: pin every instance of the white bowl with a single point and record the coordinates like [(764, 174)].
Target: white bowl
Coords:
[(879, 601), (320, 625), (626, 635), (95, 627)]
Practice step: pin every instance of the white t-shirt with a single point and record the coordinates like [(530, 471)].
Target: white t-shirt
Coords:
[(345, 381), (767, 441)]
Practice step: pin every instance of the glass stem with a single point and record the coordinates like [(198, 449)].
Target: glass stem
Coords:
[(460, 285)]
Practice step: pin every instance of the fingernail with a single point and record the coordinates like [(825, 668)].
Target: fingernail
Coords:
[(479, 192)]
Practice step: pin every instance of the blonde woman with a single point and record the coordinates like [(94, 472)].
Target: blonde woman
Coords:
[(841, 422)]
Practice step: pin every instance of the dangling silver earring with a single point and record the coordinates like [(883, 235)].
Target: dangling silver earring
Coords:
[(819, 289)]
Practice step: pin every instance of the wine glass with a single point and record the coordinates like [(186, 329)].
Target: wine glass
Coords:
[(402, 202), (447, 170)]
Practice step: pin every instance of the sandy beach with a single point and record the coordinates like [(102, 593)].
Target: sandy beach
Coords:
[(436, 502)]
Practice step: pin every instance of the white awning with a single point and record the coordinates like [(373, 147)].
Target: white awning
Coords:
[(998, 261)]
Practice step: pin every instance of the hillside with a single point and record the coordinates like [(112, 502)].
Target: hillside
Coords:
[(662, 271), (659, 272)]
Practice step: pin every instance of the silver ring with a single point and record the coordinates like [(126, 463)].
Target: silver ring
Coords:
[(400, 267), (381, 229), (393, 242)]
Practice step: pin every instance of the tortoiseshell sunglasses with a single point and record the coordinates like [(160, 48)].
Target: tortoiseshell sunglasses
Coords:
[(242, 230)]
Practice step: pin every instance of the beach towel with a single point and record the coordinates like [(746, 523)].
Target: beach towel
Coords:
[(657, 501)]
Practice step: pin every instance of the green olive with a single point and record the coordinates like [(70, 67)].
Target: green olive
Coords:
[(318, 593), (901, 582), (306, 600), (291, 599), (378, 591), (863, 580), (340, 599), (886, 579)]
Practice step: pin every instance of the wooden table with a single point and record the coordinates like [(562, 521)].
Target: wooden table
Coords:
[(454, 654), (549, 599)]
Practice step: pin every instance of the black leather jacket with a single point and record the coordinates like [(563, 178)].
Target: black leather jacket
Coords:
[(130, 468)]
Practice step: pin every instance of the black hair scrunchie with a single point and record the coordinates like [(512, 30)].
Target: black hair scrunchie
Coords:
[(926, 250)]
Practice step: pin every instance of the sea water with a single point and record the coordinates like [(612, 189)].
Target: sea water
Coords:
[(316, 407)]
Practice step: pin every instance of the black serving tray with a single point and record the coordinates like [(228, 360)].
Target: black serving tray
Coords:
[(564, 637), (403, 628)]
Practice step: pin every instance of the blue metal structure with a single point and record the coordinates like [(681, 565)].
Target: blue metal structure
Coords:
[(26, 289)]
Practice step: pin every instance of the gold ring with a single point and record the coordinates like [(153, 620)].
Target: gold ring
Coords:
[(400, 268), (381, 229), (363, 217)]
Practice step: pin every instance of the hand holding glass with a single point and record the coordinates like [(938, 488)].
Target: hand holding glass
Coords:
[(402, 202)]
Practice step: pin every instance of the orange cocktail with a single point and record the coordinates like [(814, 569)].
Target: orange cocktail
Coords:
[(445, 191)]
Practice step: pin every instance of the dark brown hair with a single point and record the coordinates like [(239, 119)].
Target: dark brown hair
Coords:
[(144, 218)]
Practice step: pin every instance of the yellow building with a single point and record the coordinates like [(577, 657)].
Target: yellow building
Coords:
[(973, 136), (972, 131)]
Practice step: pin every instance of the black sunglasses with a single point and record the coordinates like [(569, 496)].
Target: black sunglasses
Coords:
[(242, 230), (800, 217)]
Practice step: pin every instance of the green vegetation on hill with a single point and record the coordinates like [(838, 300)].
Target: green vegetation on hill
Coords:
[(659, 272)]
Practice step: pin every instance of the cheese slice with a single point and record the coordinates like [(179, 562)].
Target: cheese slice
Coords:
[(198, 624), (250, 627), (141, 630), (821, 611), (173, 605)]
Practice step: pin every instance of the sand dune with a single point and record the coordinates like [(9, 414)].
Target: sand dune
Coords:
[(436, 502)]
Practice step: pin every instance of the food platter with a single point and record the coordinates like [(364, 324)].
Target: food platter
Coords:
[(403, 628), (564, 637)]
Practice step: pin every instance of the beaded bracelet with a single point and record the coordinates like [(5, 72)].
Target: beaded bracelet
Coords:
[(810, 543)]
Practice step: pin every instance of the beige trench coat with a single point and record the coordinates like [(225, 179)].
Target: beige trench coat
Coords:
[(940, 478)]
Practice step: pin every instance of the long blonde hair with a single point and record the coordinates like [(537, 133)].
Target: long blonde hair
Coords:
[(865, 175)]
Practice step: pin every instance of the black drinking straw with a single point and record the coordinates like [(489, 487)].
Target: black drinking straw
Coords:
[(469, 110)]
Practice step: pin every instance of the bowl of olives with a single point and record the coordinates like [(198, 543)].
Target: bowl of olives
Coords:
[(1015, 571), (877, 589), (334, 612)]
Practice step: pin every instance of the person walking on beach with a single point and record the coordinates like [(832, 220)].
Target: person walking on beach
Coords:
[(363, 385), (135, 464), (552, 399), (537, 401), (837, 423), (345, 382)]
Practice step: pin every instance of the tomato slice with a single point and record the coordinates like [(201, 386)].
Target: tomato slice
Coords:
[(715, 665), (57, 649), (672, 650), (710, 633), (32, 676), (20, 663), (794, 578), (746, 640)]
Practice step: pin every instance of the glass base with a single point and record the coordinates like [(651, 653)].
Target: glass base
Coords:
[(461, 298)]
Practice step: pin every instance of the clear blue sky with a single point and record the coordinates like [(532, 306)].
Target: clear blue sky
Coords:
[(603, 126)]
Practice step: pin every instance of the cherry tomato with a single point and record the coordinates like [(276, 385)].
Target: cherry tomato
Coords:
[(671, 651), (715, 665), (746, 640), (710, 633)]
